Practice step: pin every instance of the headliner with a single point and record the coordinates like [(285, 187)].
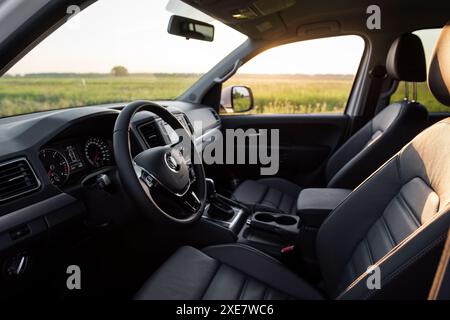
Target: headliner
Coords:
[(339, 16)]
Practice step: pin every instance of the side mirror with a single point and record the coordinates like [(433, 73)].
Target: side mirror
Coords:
[(237, 99), (190, 29)]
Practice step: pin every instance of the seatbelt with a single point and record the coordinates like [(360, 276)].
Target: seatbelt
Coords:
[(440, 290), (377, 75)]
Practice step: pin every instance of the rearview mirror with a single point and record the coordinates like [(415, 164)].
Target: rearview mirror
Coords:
[(237, 99), (190, 29)]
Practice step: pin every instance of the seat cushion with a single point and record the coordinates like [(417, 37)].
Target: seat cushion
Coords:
[(226, 272), (270, 194)]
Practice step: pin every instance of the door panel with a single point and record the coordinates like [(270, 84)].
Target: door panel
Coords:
[(306, 142)]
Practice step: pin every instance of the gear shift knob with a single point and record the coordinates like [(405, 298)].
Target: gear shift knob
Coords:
[(210, 187)]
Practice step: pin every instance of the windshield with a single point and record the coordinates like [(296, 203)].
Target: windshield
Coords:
[(113, 51)]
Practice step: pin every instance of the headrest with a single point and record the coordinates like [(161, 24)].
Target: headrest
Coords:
[(439, 74), (406, 59)]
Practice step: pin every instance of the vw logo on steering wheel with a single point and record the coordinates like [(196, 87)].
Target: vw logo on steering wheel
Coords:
[(172, 163)]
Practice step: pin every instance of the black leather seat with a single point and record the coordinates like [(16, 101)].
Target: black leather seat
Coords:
[(225, 272), (396, 220), (367, 149)]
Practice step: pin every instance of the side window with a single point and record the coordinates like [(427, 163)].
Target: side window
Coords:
[(424, 95), (314, 76)]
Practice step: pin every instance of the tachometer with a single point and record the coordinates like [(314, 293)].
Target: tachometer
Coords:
[(56, 165), (97, 152)]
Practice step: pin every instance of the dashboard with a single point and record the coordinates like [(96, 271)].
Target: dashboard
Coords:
[(59, 149), (68, 160), (53, 164), (63, 147)]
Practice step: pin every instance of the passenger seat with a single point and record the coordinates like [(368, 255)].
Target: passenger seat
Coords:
[(367, 149)]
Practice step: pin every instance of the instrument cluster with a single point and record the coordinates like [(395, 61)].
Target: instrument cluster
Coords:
[(73, 159)]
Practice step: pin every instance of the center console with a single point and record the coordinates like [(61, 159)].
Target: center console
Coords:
[(227, 215), (275, 232), (314, 206), (282, 224), (232, 222), (270, 231)]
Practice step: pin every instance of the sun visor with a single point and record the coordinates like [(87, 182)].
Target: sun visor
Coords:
[(318, 30), (258, 19)]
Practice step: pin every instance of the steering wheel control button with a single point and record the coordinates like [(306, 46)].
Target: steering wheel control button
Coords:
[(149, 181)]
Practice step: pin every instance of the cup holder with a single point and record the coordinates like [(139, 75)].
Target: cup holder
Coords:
[(278, 223), (284, 220), (264, 217)]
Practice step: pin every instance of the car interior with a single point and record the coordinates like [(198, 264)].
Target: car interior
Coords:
[(121, 191)]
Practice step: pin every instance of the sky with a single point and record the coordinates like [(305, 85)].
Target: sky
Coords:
[(133, 33)]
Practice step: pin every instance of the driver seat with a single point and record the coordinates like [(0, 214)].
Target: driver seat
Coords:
[(396, 220)]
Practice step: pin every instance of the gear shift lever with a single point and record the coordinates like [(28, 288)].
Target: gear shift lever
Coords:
[(210, 187), (218, 207)]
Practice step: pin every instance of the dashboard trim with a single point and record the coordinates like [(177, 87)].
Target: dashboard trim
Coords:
[(37, 210)]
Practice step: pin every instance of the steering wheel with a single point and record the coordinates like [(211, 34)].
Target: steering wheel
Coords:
[(168, 180)]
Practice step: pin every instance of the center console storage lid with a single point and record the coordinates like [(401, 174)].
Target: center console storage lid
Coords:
[(314, 205)]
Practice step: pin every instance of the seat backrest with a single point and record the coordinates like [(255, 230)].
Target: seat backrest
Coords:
[(389, 130), (397, 220)]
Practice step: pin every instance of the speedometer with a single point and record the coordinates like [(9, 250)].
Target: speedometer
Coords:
[(55, 165), (97, 152)]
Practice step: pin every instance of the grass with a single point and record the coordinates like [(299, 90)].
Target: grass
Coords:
[(296, 93), (273, 93), (37, 93), (424, 96)]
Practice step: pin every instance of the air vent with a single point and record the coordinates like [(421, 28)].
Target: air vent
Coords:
[(17, 178), (185, 122), (151, 134)]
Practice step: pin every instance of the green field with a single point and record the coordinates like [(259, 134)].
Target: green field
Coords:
[(35, 93), (296, 93), (424, 96), (273, 93)]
